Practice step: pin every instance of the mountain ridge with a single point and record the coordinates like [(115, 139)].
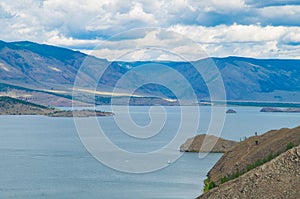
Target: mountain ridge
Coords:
[(46, 67)]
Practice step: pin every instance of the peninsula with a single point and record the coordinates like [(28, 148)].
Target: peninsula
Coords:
[(277, 109), (13, 106), (207, 143)]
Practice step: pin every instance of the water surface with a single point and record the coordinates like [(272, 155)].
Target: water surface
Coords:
[(42, 157)]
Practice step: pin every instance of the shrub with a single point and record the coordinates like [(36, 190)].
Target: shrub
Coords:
[(224, 179), (208, 185), (289, 146)]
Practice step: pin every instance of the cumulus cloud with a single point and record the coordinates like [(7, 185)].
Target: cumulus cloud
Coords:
[(196, 42), (291, 38), (284, 15), (245, 40), (221, 28)]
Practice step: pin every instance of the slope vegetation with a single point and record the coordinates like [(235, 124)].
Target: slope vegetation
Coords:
[(252, 152), (279, 178)]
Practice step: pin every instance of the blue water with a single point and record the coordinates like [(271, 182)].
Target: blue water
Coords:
[(42, 157)]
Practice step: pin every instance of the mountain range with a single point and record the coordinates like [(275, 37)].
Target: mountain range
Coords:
[(46, 74)]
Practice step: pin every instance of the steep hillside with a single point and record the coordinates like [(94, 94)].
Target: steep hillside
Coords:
[(40, 66), (279, 178), (260, 79), (253, 151)]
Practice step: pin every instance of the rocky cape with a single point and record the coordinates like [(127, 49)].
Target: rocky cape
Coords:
[(277, 109), (207, 143), (12, 106), (78, 113), (279, 178)]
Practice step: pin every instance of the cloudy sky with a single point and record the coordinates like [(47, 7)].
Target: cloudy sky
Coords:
[(127, 28)]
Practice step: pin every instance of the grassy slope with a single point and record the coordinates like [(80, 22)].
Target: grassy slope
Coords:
[(247, 154), (278, 178)]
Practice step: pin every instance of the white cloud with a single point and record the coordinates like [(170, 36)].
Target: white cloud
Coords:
[(281, 15), (233, 33), (243, 40), (238, 40), (224, 6), (55, 39), (291, 37)]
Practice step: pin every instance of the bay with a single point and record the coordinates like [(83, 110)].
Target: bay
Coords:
[(43, 157)]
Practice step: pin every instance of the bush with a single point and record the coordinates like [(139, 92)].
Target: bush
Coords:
[(289, 146), (208, 185), (231, 177), (224, 179)]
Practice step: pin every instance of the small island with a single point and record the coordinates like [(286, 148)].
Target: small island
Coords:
[(230, 111), (13, 106)]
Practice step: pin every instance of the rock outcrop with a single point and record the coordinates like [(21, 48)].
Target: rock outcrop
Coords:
[(230, 111), (279, 178), (207, 143)]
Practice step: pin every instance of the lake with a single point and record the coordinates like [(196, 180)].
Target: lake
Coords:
[(43, 157)]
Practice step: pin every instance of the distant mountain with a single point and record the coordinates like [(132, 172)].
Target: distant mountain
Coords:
[(29, 69), (40, 66), (260, 79)]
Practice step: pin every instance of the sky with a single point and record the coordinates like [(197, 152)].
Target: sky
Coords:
[(158, 30)]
